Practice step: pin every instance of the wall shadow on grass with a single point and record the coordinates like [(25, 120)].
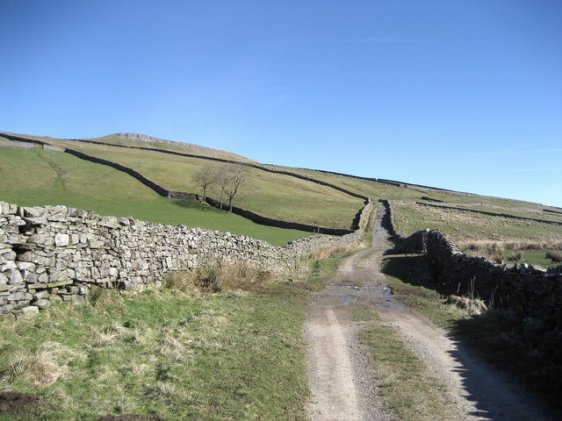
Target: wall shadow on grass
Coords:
[(522, 348)]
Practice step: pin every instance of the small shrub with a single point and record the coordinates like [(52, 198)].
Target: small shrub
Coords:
[(554, 256), (515, 257), (103, 297)]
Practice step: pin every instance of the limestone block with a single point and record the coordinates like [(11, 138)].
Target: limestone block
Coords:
[(62, 240), (42, 303), (7, 254), (8, 208), (77, 213), (109, 222), (43, 239), (19, 296), (28, 266), (83, 273), (57, 275), (16, 239), (95, 243), (14, 277), (78, 299), (39, 295), (29, 277)]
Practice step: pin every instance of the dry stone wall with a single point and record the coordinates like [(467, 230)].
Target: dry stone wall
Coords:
[(530, 291), (57, 253)]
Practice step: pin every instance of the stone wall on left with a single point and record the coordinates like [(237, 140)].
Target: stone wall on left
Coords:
[(57, 253)]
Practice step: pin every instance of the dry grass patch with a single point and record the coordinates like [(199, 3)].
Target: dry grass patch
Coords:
[(42, 367), (226, 277), (544, 253)]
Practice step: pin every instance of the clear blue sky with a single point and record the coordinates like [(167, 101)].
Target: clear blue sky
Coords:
[(462, 94)]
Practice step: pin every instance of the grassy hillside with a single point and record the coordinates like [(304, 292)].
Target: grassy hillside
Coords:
[(409, 192), (32, 177), (273, 195), (462, 226)]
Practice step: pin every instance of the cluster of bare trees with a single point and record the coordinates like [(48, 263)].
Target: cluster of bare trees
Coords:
[(225, 181)]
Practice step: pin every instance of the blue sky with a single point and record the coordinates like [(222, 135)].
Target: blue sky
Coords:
[(462, 94)]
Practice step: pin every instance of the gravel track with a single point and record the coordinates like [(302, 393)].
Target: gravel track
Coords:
[(344, 386)]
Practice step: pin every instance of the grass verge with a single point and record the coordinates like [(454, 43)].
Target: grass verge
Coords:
[(406, 387)]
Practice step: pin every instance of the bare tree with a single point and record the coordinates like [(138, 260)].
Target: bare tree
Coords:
[(205, 178), (236, 177)]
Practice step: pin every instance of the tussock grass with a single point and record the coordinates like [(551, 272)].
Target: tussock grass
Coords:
[(543, 253), (472, 306), (555, 256), (41, 368)]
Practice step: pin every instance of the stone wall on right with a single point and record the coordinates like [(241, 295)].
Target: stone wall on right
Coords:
[(523, 288)]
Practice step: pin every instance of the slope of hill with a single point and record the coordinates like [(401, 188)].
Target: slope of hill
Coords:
[(33, 176)]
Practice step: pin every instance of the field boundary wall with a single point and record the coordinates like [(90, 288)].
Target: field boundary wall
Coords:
[(54, 253)]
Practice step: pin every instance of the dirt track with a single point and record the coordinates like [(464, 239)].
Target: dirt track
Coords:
[(343, 385)]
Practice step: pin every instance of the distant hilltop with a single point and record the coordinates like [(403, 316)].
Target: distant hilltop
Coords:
[(140, 137)]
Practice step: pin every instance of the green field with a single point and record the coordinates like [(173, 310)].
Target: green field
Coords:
[(32, 177)]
